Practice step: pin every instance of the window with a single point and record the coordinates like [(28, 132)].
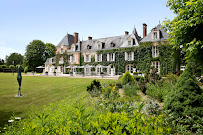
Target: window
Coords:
[(99, 46), (76, 47), (156, 64), (61, 50), (155, 52), (73, 58), (87, 70), (129, 68), (98, 70), (103, 45), (113, 44), (88, 58), (129, 42), (89, 47), (155, 35), (61, 59), (99, 57), (111, 57), (129, 56)]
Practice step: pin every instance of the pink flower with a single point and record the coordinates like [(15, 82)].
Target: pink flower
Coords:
[(200, 84)]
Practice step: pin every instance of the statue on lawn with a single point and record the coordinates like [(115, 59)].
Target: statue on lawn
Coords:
[(19, 78)]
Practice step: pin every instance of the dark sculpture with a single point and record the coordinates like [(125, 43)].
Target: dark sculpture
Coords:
[(19, 78)]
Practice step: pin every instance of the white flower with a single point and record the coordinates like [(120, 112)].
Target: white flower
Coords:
[(10, 120), (17, 118)]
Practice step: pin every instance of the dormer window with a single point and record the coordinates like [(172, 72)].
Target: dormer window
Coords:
[(76, 47), (155, 35), (129, 42), (89, 47), (113, 44), (99, 46), (103, 45)]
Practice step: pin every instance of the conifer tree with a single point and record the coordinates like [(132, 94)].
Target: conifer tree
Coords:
[(186, 98)]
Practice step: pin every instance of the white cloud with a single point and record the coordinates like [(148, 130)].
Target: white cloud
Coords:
[(7, 51)]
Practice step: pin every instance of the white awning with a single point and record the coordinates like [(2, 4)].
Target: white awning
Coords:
[(40, 67)]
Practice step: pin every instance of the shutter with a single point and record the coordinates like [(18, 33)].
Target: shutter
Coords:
[(152, 51), (132, 55), (70, 58), (113, 56), (85, 58), (96, 58), (101, 57), (90, 58), (108, 57), (126, 56)]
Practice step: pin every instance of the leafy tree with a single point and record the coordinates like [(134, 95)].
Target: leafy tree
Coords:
[(25, 70), (1, 61), (50, 50), (14, 59), (186, 98), (37, 52), (186, 29), (127, 78)]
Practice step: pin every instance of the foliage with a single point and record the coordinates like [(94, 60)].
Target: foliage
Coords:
[(37, 52), (127, 78), (1, 61), (94, 88), (142, 58), (152, 107), (159, 91), (12, 66), (186, 28), (153, 76), (25, 70), (2, 67), (110, 92), (131, 89), (79, 117), (186, 98), (14, 59), (50, 50)]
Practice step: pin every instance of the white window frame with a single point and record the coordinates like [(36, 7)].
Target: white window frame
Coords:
[(155, 51)]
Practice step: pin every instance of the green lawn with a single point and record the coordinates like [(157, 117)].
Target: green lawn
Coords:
[(38, 91)]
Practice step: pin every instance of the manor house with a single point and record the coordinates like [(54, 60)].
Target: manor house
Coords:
[(103, 55)]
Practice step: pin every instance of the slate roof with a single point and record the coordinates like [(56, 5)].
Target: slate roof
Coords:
[(48, 60), (68, 40), (117, 40), (163, 35)]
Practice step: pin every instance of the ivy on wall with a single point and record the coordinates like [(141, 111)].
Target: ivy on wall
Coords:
[(168, 58), (65, 57)]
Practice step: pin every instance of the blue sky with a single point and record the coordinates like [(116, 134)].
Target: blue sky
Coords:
[(22, 21)]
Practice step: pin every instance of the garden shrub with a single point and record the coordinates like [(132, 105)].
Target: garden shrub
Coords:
[(152, 107), (142, 85), (127, 78), (94, 88), (25, 70), (186, 98), (131, 89), (159, 91), (110, 91), (137, 78)]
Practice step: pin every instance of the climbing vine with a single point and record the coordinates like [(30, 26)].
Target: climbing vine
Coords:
[(142, 58)]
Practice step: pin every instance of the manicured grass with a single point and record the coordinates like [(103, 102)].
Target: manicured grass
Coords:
[(38, 91)]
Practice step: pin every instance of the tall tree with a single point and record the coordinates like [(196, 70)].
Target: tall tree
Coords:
[(37, 52), (14, 59), (186, 29), (1, 61), (50, 50)]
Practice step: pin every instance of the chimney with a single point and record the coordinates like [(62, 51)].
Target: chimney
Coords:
[(89, 38), (76, 38), (144, 30), (126, 32)]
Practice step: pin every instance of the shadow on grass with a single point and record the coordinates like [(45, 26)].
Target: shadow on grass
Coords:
[(5, 116)]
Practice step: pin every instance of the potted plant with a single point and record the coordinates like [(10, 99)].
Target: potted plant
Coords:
[(33, 73), (54, 73), (71, 73), (102, 74), (46, 73), (82, 73)]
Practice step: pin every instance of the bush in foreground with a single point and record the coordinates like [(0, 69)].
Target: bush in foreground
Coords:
[(127, 78)]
